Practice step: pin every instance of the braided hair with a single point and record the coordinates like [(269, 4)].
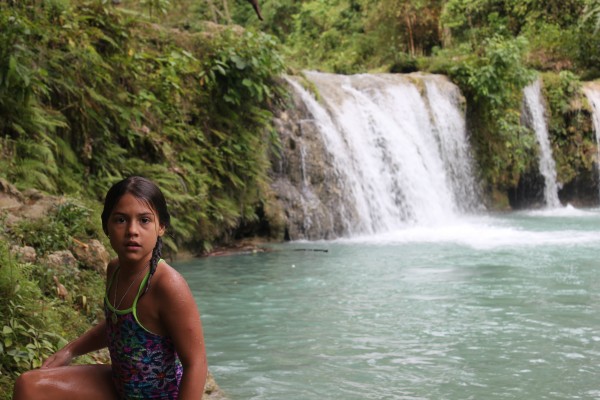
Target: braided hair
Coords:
[(156, 256), (147, 191)]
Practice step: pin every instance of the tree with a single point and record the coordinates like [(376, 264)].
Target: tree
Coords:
[(592, 12)]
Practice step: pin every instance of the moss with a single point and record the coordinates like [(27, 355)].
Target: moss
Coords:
[(570, 129)]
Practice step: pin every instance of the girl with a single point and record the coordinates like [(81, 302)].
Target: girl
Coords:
[(152, 326)]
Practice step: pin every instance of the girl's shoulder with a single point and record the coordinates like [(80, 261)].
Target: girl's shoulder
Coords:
[(164, 268), (168, 279), (170, 293)]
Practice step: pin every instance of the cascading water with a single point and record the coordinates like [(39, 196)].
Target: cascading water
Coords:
[(592, 92), (397, 148), (535, 111)]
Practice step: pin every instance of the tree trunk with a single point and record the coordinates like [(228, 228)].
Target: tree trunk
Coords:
[(411, 39)]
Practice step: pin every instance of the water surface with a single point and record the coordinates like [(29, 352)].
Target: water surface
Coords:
[(490, 307)]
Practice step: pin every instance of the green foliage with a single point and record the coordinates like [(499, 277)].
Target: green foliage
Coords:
[(26, 339), (573, 140), (238, 87), (559, 91), (352, 36), (560, 33), (33, 321), (104, 96), (551, 46), (73, 216), (26, 125), (240, 68), (44, 235), (588, 42), (493, 72), (348, 36), (592, 13), (475, 20), (7, 383), (492, 77), (54, 232), (329, 34), (38, 343), (156, 6), (405, 27)]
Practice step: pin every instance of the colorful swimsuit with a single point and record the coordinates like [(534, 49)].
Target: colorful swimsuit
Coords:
[(144, 365)]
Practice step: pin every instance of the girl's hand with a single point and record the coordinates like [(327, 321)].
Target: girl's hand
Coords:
[(93, 339), (61, 358)]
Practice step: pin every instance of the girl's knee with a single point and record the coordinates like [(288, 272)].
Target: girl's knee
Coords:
[(30, 385), (26, 385), (87, 382)]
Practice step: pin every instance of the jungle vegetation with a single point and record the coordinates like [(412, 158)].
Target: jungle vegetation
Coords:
[(184, 93), (491, 48), (177, 90)]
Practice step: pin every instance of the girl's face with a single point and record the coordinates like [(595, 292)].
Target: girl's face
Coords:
[(133, 229)]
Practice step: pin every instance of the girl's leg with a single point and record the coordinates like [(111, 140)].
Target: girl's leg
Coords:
[(86, 382)]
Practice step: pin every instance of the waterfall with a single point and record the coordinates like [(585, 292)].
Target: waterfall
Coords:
[(535, 111), (380, 152), (592, 92)]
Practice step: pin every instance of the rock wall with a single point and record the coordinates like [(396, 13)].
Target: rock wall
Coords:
[(315, 202), (304, 178)]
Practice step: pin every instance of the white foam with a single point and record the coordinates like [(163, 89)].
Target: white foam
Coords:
[(566, 211), (483, 233)]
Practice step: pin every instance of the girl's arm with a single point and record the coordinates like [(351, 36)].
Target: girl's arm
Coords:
[(93, 339), (180, 317)]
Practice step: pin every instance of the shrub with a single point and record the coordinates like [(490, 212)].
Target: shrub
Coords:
[(55, 231), (492, 78)]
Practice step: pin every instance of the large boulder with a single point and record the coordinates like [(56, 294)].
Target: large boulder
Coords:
[(315, 203), (92, 255), (10, 201), (25, 254), (62, 263), (30, 204)]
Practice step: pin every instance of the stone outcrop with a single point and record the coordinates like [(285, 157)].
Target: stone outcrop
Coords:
[(25, 254), (304, 178), (212, 391), (92, 255), (30, 204), (62, 263)]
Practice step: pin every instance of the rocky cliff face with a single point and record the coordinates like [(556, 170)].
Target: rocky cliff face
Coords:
[(377, 152), (577, 158), (374, 153), (304, 178)]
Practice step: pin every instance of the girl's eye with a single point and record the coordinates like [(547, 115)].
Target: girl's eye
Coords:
[(145, 220), (119, 220)]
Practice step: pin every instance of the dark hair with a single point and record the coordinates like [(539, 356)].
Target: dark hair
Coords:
[(147, 191)]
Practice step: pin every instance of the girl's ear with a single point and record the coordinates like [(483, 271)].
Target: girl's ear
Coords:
[(161, 230)]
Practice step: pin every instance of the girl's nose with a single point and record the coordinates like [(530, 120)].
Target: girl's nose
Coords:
[(132, 228)]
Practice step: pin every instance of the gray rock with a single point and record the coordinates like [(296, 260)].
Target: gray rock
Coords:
[(62, 263), (24, 254), (92, 255)]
